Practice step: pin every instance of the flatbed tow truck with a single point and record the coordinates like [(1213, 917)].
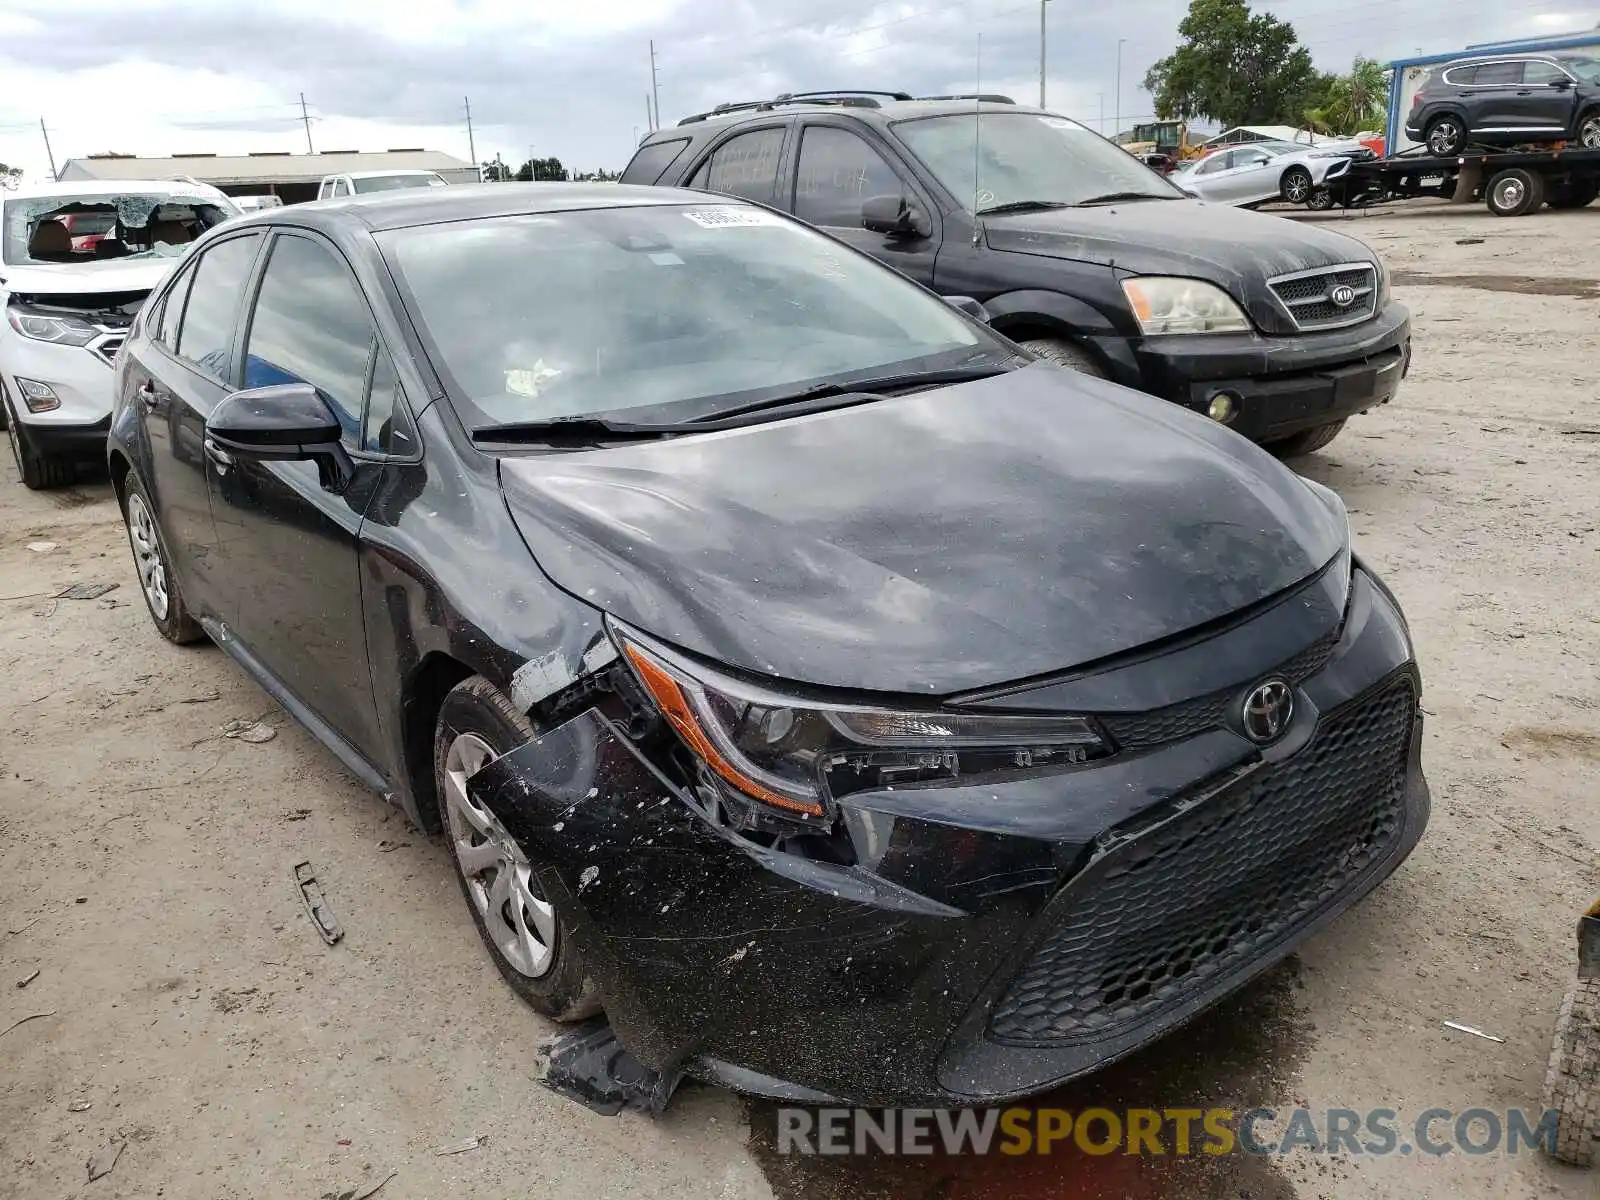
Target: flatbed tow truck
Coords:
[(1511, 182)]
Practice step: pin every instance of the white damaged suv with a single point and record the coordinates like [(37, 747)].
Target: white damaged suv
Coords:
[(77, 261)]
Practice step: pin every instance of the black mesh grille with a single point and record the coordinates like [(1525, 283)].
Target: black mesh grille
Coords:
[(1307, 297), (1201, 895), (1177, 721)]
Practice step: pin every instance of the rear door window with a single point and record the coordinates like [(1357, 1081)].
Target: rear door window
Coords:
[(746, 165), (650, 162), (1501, 73), (205, 337)]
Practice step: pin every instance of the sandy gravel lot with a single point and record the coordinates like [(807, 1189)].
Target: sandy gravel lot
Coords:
[(147, 859)]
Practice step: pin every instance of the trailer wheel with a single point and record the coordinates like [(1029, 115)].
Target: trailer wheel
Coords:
[(1295, 185), (1572, 1084), (1445, 135), (1577, 194), (1320, 200), (1514, 191)]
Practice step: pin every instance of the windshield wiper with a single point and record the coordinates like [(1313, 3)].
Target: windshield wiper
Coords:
[(586, 430), (1020, 206), (820, 397), (1109, 197)]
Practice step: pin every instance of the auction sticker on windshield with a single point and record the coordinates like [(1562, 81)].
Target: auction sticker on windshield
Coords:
[(719, 218)]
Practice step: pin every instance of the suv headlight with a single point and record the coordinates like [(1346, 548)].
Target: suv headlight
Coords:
[(1383, 284), (797, 755), (1174, 304), (51, 327)]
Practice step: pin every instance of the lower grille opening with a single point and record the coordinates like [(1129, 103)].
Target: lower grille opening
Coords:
[(1202, 895)]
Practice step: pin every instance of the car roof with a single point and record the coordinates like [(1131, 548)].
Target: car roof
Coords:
[(474, 201), (379, 174), (881, 112), (109, 188)]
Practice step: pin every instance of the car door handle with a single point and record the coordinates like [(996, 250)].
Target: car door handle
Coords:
[(147, 394), (1525, 93), (218, 455)]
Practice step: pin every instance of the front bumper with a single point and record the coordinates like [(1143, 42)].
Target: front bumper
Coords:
[(993, 940), (83, 380), (1284, 384)]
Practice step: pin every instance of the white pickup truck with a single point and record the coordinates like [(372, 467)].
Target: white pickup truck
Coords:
[(358, 183)]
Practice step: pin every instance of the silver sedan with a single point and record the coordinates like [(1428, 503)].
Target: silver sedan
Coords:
[(1260, 173)]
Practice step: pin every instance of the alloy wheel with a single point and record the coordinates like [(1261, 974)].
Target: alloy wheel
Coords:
[(147, 556), (1444, 138), (1296, 187), (521, 923), (1589, 132)]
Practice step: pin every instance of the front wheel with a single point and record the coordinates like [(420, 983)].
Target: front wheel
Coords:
[(38, 471), (1572, 1082), (529, 940), (1589, 130), (1295, 185), (1320, 200), (1306, 442)]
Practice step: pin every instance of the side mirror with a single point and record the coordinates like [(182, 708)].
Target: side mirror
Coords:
[(286, 422), (894, 216), (968, 305), (1561, 85)]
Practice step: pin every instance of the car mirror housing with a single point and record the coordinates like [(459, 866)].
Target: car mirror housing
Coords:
[(894, 216), (286, 422)]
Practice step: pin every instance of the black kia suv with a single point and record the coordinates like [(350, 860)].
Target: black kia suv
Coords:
[(1074, 248), (1508, 100)]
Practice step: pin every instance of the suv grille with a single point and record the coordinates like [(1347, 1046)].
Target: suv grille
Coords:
[(1171, 910), (107, 348), (1189, 717), (1308, 295)]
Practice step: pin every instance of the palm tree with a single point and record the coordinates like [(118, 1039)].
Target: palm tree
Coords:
[(1355, 102)]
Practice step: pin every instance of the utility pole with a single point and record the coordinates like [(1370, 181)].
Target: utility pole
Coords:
[(649, 116), (655, 88), (1042, 3), (500, 163), (472, 146), (49, 153), (306, 118), (1116, 106), (1102, 96)]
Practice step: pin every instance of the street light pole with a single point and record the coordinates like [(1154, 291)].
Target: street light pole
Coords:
[(1116, 104), (1042, 35)]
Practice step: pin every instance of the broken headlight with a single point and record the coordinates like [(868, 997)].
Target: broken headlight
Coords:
[(1176, 304), (51, 327), (796, 754)]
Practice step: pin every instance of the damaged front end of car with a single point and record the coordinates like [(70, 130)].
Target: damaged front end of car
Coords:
[(810, 897)]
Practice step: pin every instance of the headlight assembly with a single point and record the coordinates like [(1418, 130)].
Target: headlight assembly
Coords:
[(797, 755), (42, 327), (1174, 304)]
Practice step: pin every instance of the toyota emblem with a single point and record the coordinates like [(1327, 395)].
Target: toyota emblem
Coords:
[(1343, 296), (1266, 711)]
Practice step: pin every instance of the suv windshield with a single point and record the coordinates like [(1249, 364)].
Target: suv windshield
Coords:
[(1586, 69), (566, 314), (1026, 157), (40, 230), (388, 183)]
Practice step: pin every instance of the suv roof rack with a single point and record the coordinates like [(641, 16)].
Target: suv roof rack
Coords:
[(845, 99), (988, 97)]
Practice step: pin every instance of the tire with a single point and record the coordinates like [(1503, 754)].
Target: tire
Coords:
[(157, 583), (1572, 1082), (1579, 194), (476, 725), (1065, 354), (1513, 192), (1320, 199), (1445, 135), (1308, 441), (1589, 130), (37, 471), (1295, 186)]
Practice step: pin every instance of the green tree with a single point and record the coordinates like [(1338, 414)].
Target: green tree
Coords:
[(543, 170), (495, 172), (1234, 67), (10, 176), (1352, 103)]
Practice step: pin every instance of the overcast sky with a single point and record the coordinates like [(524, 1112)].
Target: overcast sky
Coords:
[(165, 76)]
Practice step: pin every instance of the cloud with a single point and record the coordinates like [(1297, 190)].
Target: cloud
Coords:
[(168, 76)]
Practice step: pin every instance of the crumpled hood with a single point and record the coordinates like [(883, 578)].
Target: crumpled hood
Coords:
[(932, 543), (82, 279), (1232, 247)]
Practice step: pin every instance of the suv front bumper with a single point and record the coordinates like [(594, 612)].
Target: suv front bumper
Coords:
[(1280, 385)]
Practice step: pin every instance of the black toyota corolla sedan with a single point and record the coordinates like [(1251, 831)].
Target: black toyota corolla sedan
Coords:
[(847, 703)]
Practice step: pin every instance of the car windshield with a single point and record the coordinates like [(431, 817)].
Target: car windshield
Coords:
[(389, 183), (50, 230), (538, 317), (1586, 69), (1024, 157)]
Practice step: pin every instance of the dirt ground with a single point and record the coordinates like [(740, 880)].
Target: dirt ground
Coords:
[(192, 1009)]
